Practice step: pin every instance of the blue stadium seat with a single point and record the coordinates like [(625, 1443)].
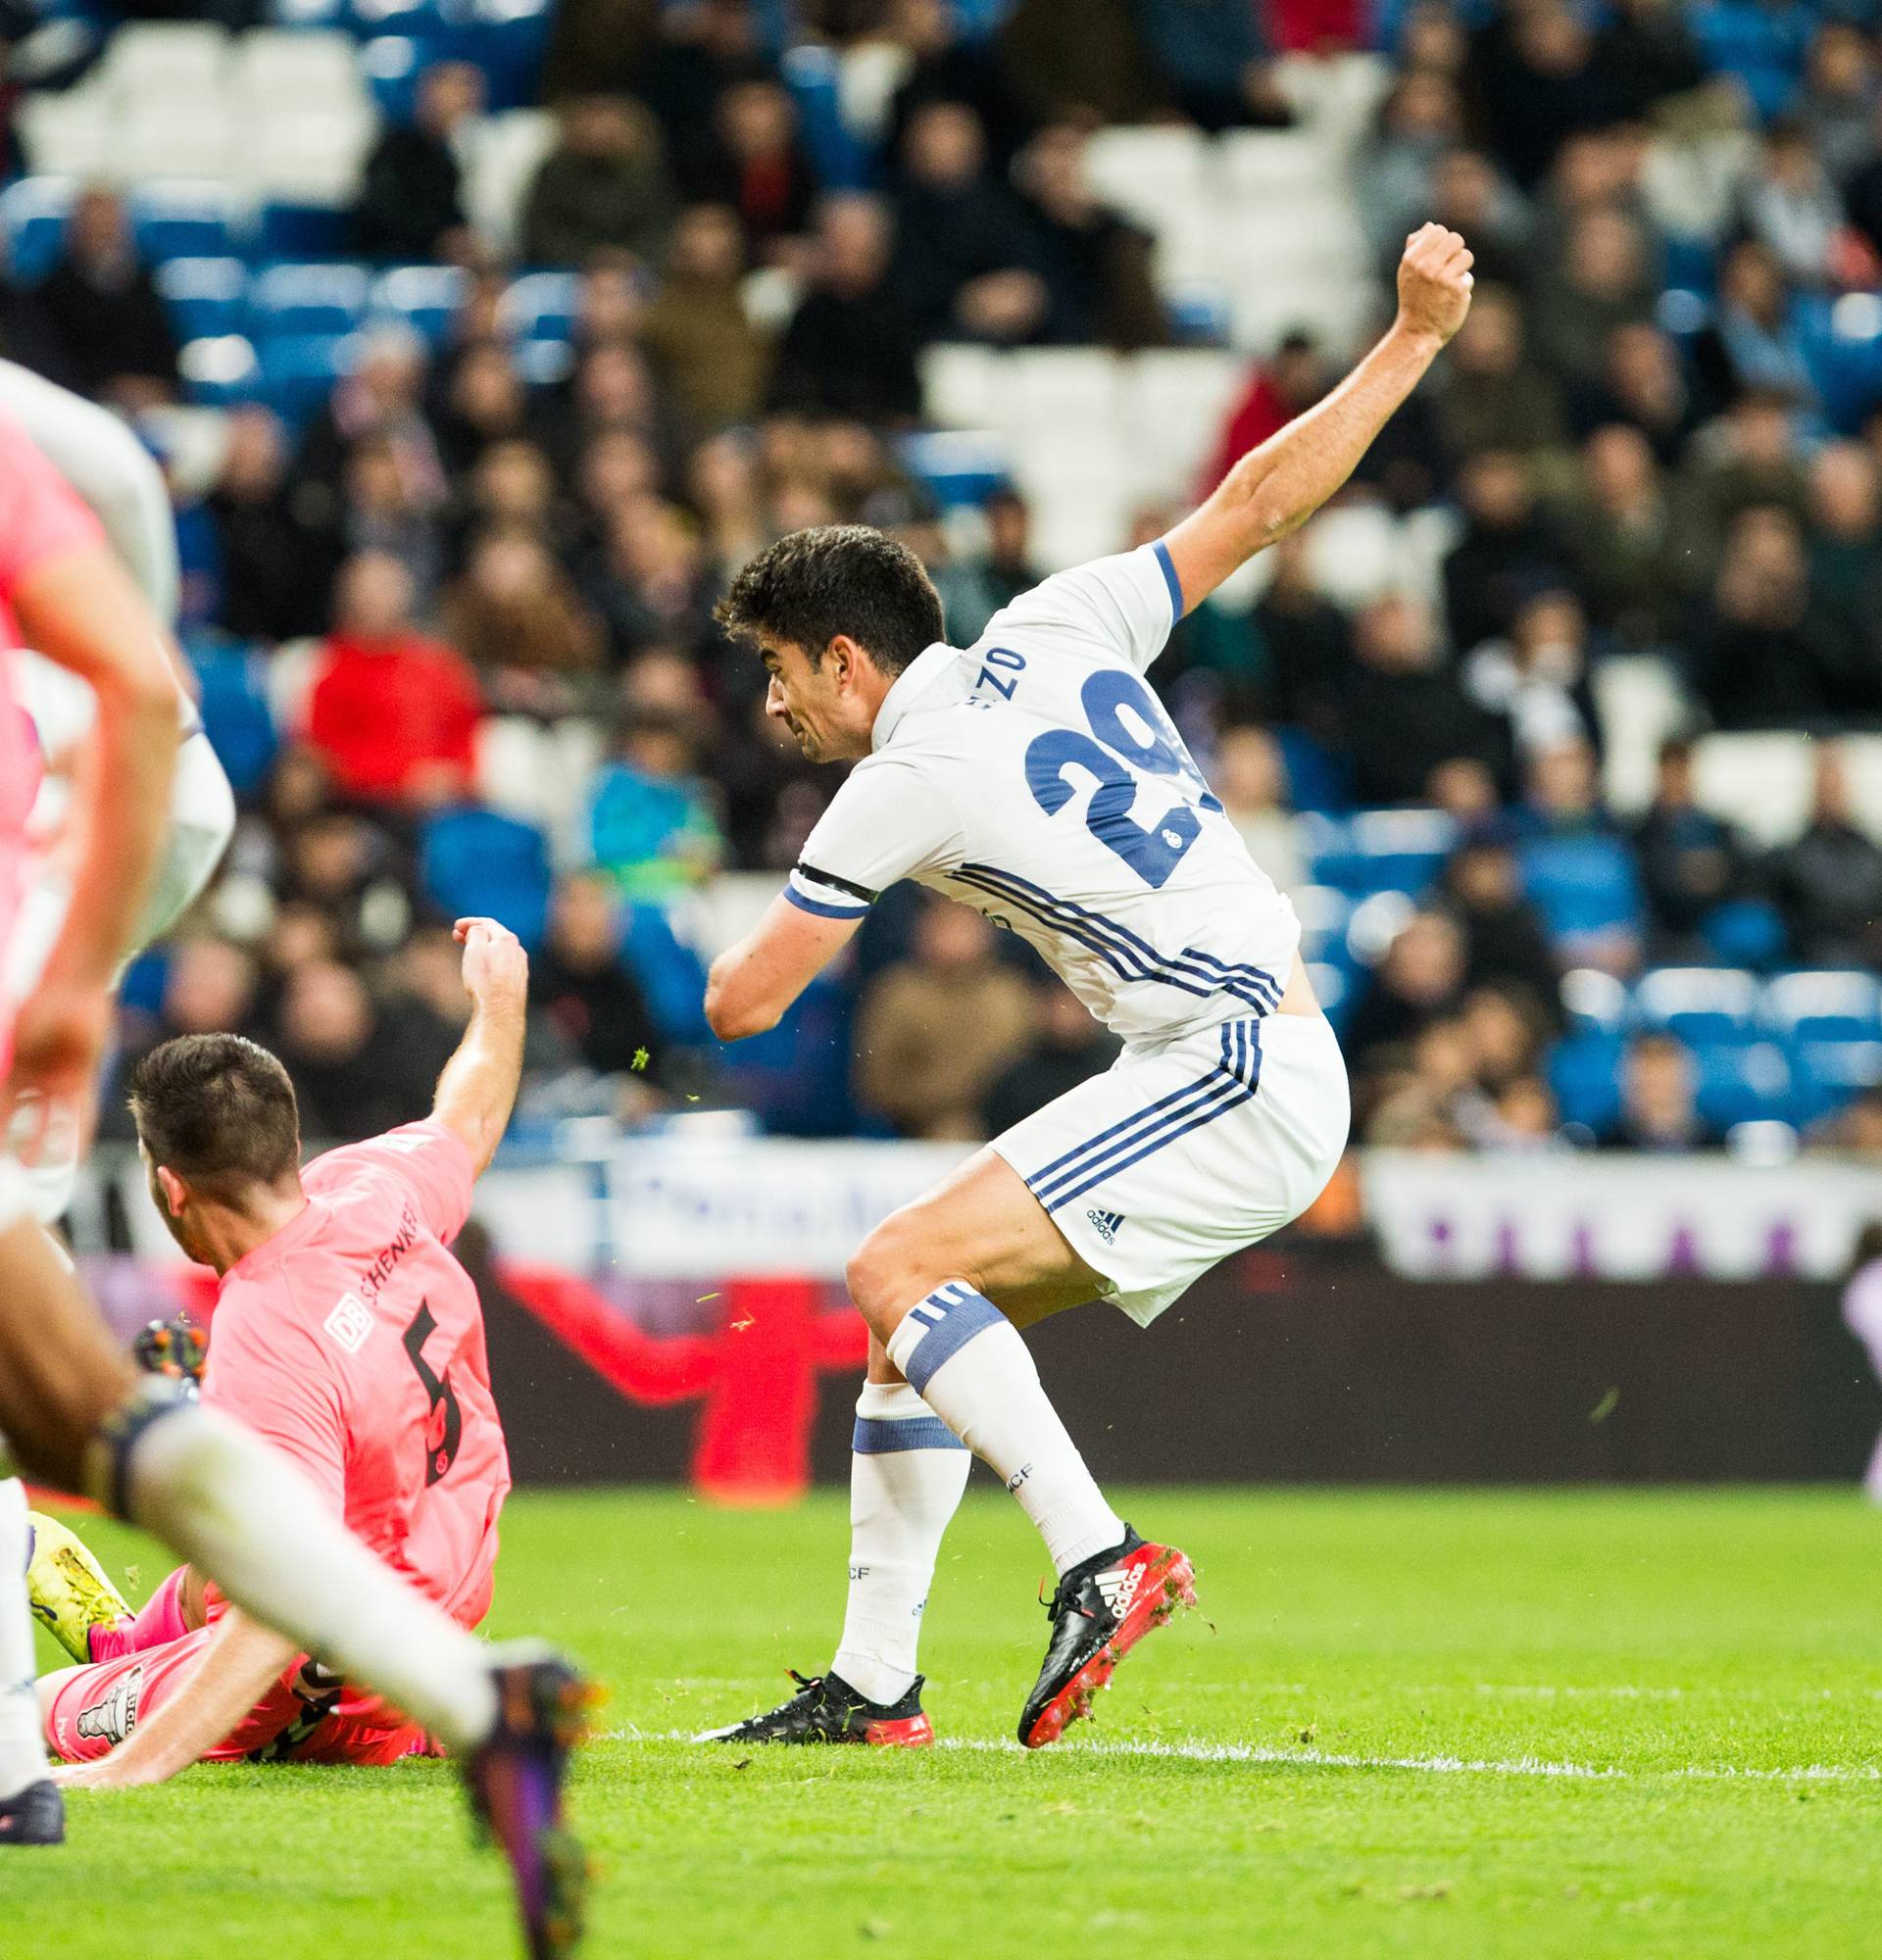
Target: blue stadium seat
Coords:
[(298, 370), (1384, 851), (1746, 932), (669, 972), (797, 1076), (1742, 1083), (293, 230), (1316, 778), (204, 297), (476, 861), (1836, 1007), (1826, 1074), (842, 160), (1761, 42), (32, 213), (307, 299), (369, 18), (541, 305), (424, 298), (1715, 1006), (1584, 1071), (1596, 1002), (236, 712), (506, 39), (958, 466), (1584, 886), (389, 65), (182, 218)]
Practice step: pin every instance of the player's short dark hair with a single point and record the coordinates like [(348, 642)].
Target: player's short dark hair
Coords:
[(836, 579), (218, 1110)]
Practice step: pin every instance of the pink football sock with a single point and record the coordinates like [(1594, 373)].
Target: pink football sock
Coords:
[(155, 1624)]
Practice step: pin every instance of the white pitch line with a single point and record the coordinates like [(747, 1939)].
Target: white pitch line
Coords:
[(1514, 1766), (1329, 1759)]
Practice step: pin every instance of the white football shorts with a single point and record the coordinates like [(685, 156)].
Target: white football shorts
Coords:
[(1186, 1151)]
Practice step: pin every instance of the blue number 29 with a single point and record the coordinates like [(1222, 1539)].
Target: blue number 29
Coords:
[(1154, 852)]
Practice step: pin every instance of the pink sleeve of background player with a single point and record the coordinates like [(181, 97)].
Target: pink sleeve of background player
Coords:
[(41, 515), (432, 1162), (270, 1374)]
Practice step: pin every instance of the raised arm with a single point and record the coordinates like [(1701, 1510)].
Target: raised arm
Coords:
[(240, 1662), (479, 1087), (753, 984), (1274, 489)]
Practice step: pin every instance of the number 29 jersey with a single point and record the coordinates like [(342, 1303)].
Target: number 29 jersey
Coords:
[(353, 1342), (1036, 777)]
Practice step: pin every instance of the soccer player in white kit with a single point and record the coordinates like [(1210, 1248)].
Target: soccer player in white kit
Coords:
[(1035, 776)]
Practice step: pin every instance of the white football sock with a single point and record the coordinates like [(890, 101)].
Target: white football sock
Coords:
[(966, 1360), (906, 1480), (22, 1752), (252, 1522)]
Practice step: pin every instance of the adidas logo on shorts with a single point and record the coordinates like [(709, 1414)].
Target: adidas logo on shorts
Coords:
[(1109, 1224)]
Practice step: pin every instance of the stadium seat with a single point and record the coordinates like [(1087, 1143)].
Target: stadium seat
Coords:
[(839, 156), (541, 305), (178, 136), (182, 218), (966, 387), (478, 860), (70, 132), (236, 712), (390, 65), (1826, 1074), (1742, 1083), (307, 299), (505, 153), (1594, 1001), (1584, 1072), (1759, 783), (32, 212), (204, 297), (312, 155), (1175, 402), (220, 370), (1159, 177), (1639, 703), (169, 58), (1385, 850), (426, 298), (294, 70), (957, 466), (299, 369), (1823, 1006), (1716, 1004), (1064, 394), (290, 228), (1585, 887)]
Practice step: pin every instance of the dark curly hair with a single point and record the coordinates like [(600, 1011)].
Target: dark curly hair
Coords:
[(836, 579)]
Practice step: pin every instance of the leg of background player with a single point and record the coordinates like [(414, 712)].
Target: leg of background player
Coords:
[(906, 1479), (73, 1405), (926, 1281)]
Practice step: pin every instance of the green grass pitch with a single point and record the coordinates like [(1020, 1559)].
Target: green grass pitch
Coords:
[(1451, 1724)]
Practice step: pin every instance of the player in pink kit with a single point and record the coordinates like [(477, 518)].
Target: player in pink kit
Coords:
[(74, 1411), (347, 1336)]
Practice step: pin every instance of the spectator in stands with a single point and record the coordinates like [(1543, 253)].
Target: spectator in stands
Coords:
[(1212, 59), (1633, 555), (1421, 980), (850, 347), (1277, 390), (1538, 83), (1306, 643), (1251, 779), (756, 165), (1828, 883), (934, 1035), (1763, 654), (483, 401), (1846, 538), (210, 987), (1506, 551), (1642, 383), (1406, 712), (1470, 196), (1009, 569), (1602, 281), (1791, 207), (514, 614), (513, 483), (270, 581), (1082, 59), (1533, 681), (706, 352), (345, 867), (1752, 342), (724, 494), (1690, 862), (948, 65), (383, 511), (394, 714), (1645, 54), (965, 260), (1493, 397), (1505, 943), (1419, 125), (701, 51), (1068, 1047), (411, 204), (648, 583), (1749, 459), (1576, 865), (352, 1079), (652, 826), (105, 322), (1095, 266), (604, 187), (1835, 107), (1863, 195), (384, 395), (1658, 1100), (581, 982)]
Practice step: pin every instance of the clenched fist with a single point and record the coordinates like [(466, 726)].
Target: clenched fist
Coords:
[(496, 969), (1434, 282)]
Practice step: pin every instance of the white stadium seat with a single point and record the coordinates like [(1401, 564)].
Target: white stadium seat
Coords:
[(964, 386), (1265, 166), (1639, 703), (177, 137), (1153, 175), (1862, 763), (298, 69), (1174, 404), (312, 155), (505, 153), (70, 133), (174, 58), (1759, 783)]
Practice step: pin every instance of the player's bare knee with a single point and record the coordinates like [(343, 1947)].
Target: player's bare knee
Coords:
[(888, 1273)]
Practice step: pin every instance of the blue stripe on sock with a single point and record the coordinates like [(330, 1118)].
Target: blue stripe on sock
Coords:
[(876, 1437), (957, 1324)]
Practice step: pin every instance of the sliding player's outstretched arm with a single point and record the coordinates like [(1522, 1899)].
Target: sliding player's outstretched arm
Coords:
[(477, 1089), (1274, 489)]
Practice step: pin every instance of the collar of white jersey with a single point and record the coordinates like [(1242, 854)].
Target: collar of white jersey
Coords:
[(908, 686)]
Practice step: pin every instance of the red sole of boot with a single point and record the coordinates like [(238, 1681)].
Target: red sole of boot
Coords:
[(1170, 1582), (912, 1732)]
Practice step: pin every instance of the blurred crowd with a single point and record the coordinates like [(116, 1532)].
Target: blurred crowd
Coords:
[(450, 542)]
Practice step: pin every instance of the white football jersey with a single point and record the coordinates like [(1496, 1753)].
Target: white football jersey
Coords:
[(1036, 777)]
